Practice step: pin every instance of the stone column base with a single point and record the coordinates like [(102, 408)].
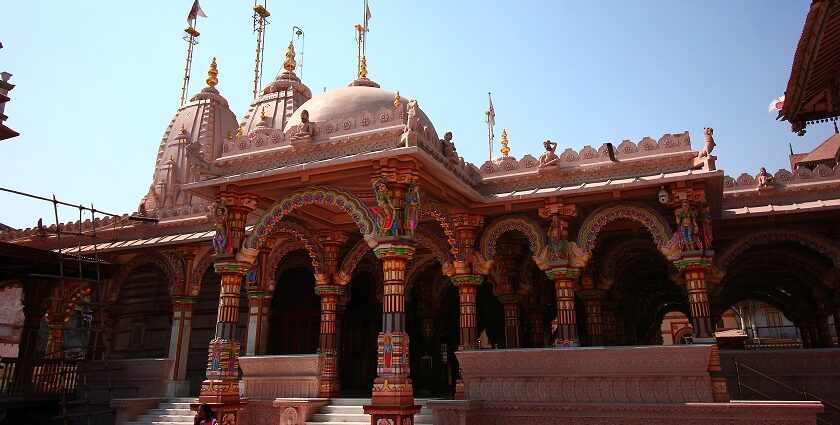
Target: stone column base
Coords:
[(392, 415)]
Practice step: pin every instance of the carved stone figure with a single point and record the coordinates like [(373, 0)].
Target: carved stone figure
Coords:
[(764, 178), (710, 142), (384, 212), (549, 158), (195, 157), (413, 121), (558, 238), (708, 236), (687, 225), (221, 241), (411, 211), (449, 147), (304, 130)]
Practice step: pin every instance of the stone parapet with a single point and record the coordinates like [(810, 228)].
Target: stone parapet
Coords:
[(270, 377)]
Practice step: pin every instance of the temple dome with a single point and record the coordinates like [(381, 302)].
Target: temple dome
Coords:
[(352, 104)]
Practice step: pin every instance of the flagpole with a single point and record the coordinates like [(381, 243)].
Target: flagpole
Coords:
[(191, 39), (490, 121)]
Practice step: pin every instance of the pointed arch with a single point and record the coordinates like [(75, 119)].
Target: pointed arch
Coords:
[(306, 238), (202, 267), (808, 239), (319, 195), (658, 227), (275, 258), (521, 223), (431, 208), (174, 276)]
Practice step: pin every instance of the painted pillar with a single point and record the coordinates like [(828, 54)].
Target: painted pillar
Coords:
[(511, 310), (608, 314), (564, 285), (32, 316), (327, 341), (467, 277), (694, 265), (221, 388), (536, 327), (823, 334), (259, 311), (179, 345), (592, 299), (392, 399)]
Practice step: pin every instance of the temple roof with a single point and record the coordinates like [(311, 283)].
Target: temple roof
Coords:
[(827, 150)]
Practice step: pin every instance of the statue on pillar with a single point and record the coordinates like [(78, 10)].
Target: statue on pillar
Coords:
[(384, 212), (549, 158), (709, 142), (764, 178), (708, 236), (558, 237), (411, 211), (687, 224), (221, 240)]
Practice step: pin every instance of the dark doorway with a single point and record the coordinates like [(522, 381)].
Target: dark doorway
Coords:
[(295, 314), (359, 326)]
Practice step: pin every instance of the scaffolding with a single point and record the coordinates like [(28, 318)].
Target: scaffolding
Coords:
[(77, 369)]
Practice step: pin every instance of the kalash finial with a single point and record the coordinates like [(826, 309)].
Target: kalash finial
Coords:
[(211, 74), (363, 68), (397, 101), (289, 64), (505, 149)]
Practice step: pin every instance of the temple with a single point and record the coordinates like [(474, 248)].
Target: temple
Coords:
[(324, 258)]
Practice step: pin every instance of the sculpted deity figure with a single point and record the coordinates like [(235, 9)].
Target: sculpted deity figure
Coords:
[(384, 212), (306, 128), (558, 237), (687, 223), (549, 158), (764, 178), (449, 147), (411, 211), (710, 142), (221, 242), (413, 121), (708, 236)]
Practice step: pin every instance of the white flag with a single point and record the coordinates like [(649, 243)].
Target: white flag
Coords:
[(367, 15), (491, 115)]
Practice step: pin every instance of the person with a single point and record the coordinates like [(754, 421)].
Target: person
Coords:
[(205, 416)]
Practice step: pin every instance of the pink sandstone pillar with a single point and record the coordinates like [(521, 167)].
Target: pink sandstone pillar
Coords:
[(564, 284)]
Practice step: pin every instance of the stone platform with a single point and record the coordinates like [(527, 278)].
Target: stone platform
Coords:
[(599, 385)]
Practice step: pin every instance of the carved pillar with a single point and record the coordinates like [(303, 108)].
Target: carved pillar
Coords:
[(259, 312), (32, 316), (221, 388), (620, 330), (327, 340), (511, 309), (608, 315), (564, 285), (592, 299), (823, 334), (694, 266), (393, 393), (467, 277), (179, 345), (536, 327)]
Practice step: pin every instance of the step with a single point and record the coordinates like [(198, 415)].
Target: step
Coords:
[(171, 411), (165, 418)]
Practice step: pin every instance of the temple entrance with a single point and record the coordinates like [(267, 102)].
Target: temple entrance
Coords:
[(295, 313), (432, 323), (359, 326)]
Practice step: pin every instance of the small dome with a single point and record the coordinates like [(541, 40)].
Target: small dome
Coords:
[(350, 103)]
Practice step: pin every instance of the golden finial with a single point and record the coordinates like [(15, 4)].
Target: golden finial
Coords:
[(289, 64), (397, 101), (262, 113), (363, 68), (505, 148), (212, 73), (183, 130), (239, 131)]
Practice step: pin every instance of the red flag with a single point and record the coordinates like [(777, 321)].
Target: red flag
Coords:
[(194, 13)]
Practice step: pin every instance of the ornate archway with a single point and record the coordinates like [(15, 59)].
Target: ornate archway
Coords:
[(809, 240), (325, 196), (202, 267), (174, 275), (431, 208), (595, 222), (521, 223)]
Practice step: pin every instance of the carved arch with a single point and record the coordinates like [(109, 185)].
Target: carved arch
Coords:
[(350, 260), (307, 239), (277, 255), (433, 243), (201, 268), (811, 240), (266, 225), (431, 208), (521, 223), (174, 276), (652, 220)]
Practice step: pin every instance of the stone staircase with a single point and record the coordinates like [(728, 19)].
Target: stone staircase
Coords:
[(171, 412), (349, 411)]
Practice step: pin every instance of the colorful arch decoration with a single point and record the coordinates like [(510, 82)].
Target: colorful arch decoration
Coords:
[(521, 223), (810, 240), (305, 237), (174, 276), (431, 208), (199, 270), (274, 260), (265, 226), (435, 245), (351, 259), (636, 211)]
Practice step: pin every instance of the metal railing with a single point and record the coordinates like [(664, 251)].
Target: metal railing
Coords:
[(801, 392), (47, 377)]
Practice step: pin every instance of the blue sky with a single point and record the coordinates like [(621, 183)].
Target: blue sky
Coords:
[(98, 81)]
